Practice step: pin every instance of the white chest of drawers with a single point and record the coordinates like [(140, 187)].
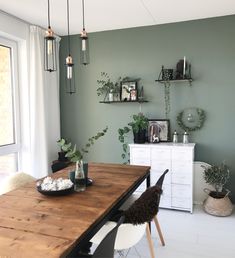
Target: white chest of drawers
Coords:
[(178, 183)]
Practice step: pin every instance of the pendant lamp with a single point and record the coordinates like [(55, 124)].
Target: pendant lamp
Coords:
[(69, 65), (84, 46), (49, 47)]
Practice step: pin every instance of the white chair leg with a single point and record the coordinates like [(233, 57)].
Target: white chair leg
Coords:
[(159, 230), (150, 241)]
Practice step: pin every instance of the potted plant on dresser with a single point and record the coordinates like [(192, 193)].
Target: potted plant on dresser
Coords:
[(217, 202), (139, 126)]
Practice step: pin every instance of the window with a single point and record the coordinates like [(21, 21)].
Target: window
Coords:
[(9, 107)]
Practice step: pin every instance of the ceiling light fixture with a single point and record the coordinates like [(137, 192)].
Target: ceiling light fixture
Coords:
[(49, 47), (84, 41), (69, 65)]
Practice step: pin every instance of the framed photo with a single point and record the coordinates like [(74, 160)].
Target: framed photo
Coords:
[(159, 130), (129, 91)]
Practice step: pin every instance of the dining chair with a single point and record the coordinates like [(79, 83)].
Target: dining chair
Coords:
[(14, 181), (136, 221), (134, 197), (105, 249)]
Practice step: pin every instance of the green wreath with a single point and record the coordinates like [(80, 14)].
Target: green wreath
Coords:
[(201, 119)]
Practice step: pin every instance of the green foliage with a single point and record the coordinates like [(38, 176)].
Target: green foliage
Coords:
[(139, 123), (217, 176), (106, 85), (201, 119), (72, 153), (167, 98), (122, 135)]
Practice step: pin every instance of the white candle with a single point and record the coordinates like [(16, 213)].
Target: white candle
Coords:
[(184, 67)]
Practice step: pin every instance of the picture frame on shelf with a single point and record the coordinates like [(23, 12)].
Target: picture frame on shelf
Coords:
[(129, 91), (158, 130)]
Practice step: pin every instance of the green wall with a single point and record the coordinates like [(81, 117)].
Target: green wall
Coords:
[(139, 52)]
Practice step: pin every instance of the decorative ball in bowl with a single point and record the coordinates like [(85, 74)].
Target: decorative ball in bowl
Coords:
[(55, 187)]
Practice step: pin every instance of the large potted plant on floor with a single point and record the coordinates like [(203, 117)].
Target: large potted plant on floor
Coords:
[(218, 202)]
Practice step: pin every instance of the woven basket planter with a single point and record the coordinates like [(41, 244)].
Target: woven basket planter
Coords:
[(220, 206)]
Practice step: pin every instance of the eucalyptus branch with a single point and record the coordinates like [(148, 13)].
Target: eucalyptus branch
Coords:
[(73, 153)]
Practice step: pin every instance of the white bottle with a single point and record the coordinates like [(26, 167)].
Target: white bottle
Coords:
[(80, 180), (111, 96), (185, 137), (175, 137)]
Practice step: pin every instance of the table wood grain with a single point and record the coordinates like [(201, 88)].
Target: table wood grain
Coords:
[(33, 225)]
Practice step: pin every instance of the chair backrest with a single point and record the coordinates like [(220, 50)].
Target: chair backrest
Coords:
[(145, 207), (14, 181), (106, 247), (161, 178)]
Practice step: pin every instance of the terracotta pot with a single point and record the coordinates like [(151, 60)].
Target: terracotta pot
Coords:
[(218, 205)]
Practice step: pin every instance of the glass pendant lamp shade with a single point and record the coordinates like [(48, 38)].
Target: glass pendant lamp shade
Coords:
[(70, 75), (50, 62), (84, 46), (84, 49)]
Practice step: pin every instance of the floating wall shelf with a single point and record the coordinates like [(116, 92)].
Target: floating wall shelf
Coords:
[(180, 80), (122, 101)]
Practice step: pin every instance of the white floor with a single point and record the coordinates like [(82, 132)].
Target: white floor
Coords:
[(190, 236)]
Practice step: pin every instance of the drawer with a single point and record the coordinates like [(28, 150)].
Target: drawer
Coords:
[(181, 191), (182, 167), (166, 191), (139, 161), (142, 153), (155, 176), (165, 202), (184, 203), (181, 178), (160, 154), (160, 165), (182, 154)]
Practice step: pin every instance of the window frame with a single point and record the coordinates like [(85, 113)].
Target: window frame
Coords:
[(13, 147)]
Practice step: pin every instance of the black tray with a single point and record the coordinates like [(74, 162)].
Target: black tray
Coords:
[(89, 181), (56, 193)]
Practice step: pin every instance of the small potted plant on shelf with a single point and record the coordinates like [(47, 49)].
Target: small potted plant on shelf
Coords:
[(218, 202), (138, 126), (108, 88)]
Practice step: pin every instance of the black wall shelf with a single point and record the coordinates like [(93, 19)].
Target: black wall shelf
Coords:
[(179, 80), (124, 101)]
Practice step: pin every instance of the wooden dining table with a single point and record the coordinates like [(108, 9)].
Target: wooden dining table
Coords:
[(34, 225)]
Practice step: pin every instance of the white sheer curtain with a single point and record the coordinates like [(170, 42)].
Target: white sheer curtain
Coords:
[(44, 107)]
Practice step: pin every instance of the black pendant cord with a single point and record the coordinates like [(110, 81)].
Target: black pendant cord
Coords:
[(83, 15), (68, 26), (48, 14)]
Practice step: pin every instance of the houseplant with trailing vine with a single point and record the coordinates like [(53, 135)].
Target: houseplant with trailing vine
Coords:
[(138, 126)]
